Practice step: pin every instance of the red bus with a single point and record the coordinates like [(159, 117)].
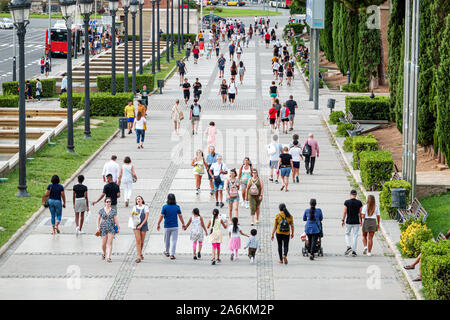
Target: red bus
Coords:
[(58, 44)]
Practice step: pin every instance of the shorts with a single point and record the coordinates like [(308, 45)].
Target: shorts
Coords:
[(187, 95), (289, 74), (216, 245), (233, 72), (197, 94), (219, 186), (231, 95), (273, 95), (223, 92), (296, 164), (195, 55), (80, 205), (181, 74), (280, 74), (273, 164), (272, 121), (286, 171), (267, 41), (195, 119), (130, 120), (233, 199), (285, 119), (221, 68), (369, 225), (291, 116)]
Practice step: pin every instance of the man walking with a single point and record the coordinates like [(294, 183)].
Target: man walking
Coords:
[(310, 152), (111, 167), (292, 105), (210, 159), (352, 220), (221, 63), (110, 190), (194, 116), (274, 150)]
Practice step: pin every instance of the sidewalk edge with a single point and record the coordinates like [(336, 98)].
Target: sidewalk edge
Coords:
[(35, 215), (390, 242)]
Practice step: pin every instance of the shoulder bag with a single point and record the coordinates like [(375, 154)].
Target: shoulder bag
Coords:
[(217, 179), (180, 114), (45, 198)]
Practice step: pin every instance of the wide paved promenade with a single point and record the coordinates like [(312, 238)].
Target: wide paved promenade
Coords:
[(42, 266)]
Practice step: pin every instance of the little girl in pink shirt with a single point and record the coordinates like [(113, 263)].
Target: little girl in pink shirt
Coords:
[(211, 131)]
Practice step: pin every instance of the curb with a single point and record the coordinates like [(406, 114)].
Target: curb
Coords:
[(35, 215), (390, 242)]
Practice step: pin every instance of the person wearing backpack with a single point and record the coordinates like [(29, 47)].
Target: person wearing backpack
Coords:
[(310, 152), (218, 170), (194, 116), (274, 149), (255, 190), (284, 228), (232, 192)]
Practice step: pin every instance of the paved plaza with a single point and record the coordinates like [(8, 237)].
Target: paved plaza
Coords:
[(66, 266)]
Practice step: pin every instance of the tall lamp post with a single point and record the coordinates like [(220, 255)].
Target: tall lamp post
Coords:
[(141, 50), (113, 6), (182, 24), (171, 31), (68, 9), (167, 32), (153, 36), (158, 54), (20, 11), (187, 20), (178, 29), (126, 6), (134, 8)]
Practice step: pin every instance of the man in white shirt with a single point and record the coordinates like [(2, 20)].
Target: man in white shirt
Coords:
[(218, 170), (274, 156), (111, 167), (296, 153), (232, 91)]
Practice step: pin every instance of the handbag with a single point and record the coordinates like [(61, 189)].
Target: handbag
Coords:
[(181, 115), (217, 179), (98, 233), (45, 198)]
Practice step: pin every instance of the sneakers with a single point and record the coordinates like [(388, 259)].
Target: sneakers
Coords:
[(221, 204), (271, 180), (199, 255), (276, 181), (297, 179), (348, 251), (247, 205), (311, 257), (365, 250), (77, 230), (369, 254), (213, 262), (217, 204), (354, 254), (195, 257), (232, 257), (197, 191), (252, 260)]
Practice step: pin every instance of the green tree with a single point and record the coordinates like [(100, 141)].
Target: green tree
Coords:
[(326, 34), (336, 30)]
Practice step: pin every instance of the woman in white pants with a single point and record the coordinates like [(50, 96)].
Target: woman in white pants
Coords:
[(126, 177)]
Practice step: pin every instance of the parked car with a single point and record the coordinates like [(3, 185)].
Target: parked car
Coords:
[(241, 3), (6, 23), (215, 19), (212, 2), (232, 3)]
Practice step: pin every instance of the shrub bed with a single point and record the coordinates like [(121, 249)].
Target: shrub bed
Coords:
[(376, 168), (186, 36), (298, 28), (348, 144), (341, 130), (335, 115), (385, 195), (412, 239), (365, 108), (435, 270), (362, 143), (353, 87), (104, 82), (9, 101), (102, 103), (48, 87)]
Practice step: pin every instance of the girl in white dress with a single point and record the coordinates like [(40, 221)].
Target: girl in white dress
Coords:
[(198, 226)]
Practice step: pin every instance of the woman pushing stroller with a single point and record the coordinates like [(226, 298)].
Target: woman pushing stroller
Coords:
[(313, 229)]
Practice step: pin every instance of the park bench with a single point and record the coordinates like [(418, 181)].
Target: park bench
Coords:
[(356, 131), (348, 118), (411, 211), (440, 237), (421, 212)]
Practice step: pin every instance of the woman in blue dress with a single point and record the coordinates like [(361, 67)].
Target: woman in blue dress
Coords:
[(108, 226)]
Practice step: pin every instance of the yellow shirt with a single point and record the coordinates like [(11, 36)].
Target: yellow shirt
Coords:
[(278, 219), (200, 35), (130, 111)]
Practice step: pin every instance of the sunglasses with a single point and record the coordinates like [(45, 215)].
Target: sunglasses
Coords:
[(108, 201)]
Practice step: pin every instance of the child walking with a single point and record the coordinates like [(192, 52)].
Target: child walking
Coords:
[(211, 131), (196, 232), (252, 245), (215, 237), (235, 239)]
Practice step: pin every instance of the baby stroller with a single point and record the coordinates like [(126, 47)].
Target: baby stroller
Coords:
[(317, 249)]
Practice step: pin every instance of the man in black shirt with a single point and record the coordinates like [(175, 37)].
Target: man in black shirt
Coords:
[(186, 90), (291, 104), (181, 70), (110, 190), (352, 209), (197, 89)]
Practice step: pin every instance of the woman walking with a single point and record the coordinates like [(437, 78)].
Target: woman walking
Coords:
[(223, 91), (289, 73), (196, 52), (280, 74), (233, 70), (371, 223), (80, 203), (239, 51), (139, 126), (199, 165), (296, 153), (215, 236), (273, 92), (235, 238), (127, 177), (198, 226), (175, 115), (277, 107), (140, 216), (245, 173), (284, 228), (170, 211), (313, 227), (272, 117), (255, 190), (285, 166), (284, 115), (211, 131), (54, 194), (107, 224), (232, 192), (241, 71)]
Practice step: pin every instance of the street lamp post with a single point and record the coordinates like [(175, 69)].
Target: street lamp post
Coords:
[(187, 20), (158, 54), (182, 25), (167, 32), (171, 31), (86, 10), (126, 6), (178, 29), (68, 8), (134, 8), (153, 36), (141, 50), (20, 11), (113, 6)]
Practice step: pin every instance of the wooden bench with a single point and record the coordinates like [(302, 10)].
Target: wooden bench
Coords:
[(357, 130), (396, 176), (348, 118), (440, 237), (411, 211), (421, 212)]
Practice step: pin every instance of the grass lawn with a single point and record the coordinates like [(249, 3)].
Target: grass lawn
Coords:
[(438, 208), (227, 12), (14, 212)]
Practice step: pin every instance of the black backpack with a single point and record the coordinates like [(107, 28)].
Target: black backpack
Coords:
[(284, 224), (307, 150)]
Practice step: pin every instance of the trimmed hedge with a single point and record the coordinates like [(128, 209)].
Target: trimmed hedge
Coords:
[(130, 37), (362, 143), (48, 87), (376, 168), (365, 108), (353, 87), (9, 101), (335, 115), (104, 82), (298, 28), (435, 270), (412, 239), (385, 195), (186, 36), (341, 130), (102, 104), (348, 144)]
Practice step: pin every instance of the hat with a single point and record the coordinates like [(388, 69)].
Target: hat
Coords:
[(109, 175), (353, 192)]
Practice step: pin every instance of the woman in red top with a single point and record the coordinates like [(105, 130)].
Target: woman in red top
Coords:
[(196, 52), (272, 117), (233, 70)]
